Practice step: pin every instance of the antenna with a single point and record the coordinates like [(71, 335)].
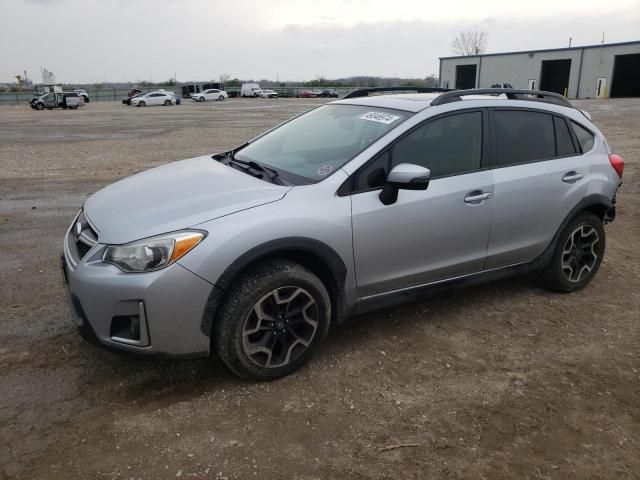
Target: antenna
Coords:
[(570, 38)]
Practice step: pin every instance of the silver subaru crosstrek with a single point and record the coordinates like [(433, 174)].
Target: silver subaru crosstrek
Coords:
[(358, 204)]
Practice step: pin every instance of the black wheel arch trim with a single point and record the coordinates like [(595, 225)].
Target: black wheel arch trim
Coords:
[(274, 248), (594, 200)]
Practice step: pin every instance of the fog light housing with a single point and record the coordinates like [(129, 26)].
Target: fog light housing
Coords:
[(131, 329)]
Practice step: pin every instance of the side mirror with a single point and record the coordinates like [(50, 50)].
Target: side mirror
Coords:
[(405, 176)]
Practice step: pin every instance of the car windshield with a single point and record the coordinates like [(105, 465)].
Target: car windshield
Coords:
[(312, 146)]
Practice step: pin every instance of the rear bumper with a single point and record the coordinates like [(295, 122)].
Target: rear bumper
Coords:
[(610, 214)]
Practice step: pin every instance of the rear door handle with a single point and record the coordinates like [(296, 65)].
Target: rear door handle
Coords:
[(475, 197), (572, 177)]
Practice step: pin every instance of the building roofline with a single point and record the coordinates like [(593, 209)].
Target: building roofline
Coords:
[(521, 52)]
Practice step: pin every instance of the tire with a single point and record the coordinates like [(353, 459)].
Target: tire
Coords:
[(86, 100), (142, 104), (167, 103), (201, 99), (270, 287), (221, 98), (577, 256)]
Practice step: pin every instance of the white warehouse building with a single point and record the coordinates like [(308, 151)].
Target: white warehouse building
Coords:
[(592, 71)]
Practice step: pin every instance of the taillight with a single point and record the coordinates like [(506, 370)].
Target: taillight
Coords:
[(617, 163)]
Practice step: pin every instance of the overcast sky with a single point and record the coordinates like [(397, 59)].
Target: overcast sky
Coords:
[(132, 40)]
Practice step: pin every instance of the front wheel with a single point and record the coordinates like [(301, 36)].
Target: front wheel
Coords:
[(577, 256), (142, 104), (272, 320), (220, 98), (201, 99), (167, 103)]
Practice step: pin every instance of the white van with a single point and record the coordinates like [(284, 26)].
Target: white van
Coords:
[(250, 90)]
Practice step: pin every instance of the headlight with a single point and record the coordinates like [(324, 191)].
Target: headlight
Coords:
[(152, 253)]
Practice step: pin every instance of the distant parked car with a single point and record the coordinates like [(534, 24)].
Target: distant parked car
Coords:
[(53, 100), (83, 93), (133, 93), (501, 85), (308, 94), (127, 100), (329, 93), (268, 94), (159, 97), (211, 94)]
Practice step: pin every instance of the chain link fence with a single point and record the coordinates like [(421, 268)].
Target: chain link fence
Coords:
[(117, 94)]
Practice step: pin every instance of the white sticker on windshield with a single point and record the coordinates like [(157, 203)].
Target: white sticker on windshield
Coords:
[(379, 117), (326, 170)]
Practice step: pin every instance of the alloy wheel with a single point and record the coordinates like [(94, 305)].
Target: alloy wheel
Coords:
[(580, 253), (280, 327)]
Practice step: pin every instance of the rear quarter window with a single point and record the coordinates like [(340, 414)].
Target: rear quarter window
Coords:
[(564, 141), (585, 137)]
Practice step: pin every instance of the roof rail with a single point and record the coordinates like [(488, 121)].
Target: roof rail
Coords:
[(364, 92), (512, 94)]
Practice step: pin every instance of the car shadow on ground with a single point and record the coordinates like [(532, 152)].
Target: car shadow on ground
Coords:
[(170, 380)]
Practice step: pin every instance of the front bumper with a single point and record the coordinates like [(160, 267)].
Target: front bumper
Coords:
[(166, 306)]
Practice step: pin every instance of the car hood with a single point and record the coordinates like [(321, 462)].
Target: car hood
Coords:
[(173, 197)]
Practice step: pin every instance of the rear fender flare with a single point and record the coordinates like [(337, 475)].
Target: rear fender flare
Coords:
[(594, 200)]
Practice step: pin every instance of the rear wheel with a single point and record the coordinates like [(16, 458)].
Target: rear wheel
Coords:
[(167, 103), (221, 97), (577, 256), (273, 319)]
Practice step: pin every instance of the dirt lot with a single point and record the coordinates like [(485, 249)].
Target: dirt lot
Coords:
[(500, 381)]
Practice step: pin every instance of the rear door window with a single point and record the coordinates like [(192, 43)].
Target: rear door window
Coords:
[(585, 137), (523, 136)]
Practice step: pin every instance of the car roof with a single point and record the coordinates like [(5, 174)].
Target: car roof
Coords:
[(410, 102), (416, 102)]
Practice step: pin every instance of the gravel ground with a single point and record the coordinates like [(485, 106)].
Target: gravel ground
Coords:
[(504, 380)]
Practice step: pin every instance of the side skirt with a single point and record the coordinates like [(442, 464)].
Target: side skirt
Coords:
[(420, 292)]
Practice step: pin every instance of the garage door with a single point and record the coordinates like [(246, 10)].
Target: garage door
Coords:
[(626, 76)]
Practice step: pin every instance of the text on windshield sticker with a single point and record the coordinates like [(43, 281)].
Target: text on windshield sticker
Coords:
[(379, 117)]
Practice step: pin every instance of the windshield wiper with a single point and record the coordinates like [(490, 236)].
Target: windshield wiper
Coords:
[(272, 173), (247, 166)]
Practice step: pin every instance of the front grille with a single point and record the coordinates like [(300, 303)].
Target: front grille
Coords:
[(84, 236)]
